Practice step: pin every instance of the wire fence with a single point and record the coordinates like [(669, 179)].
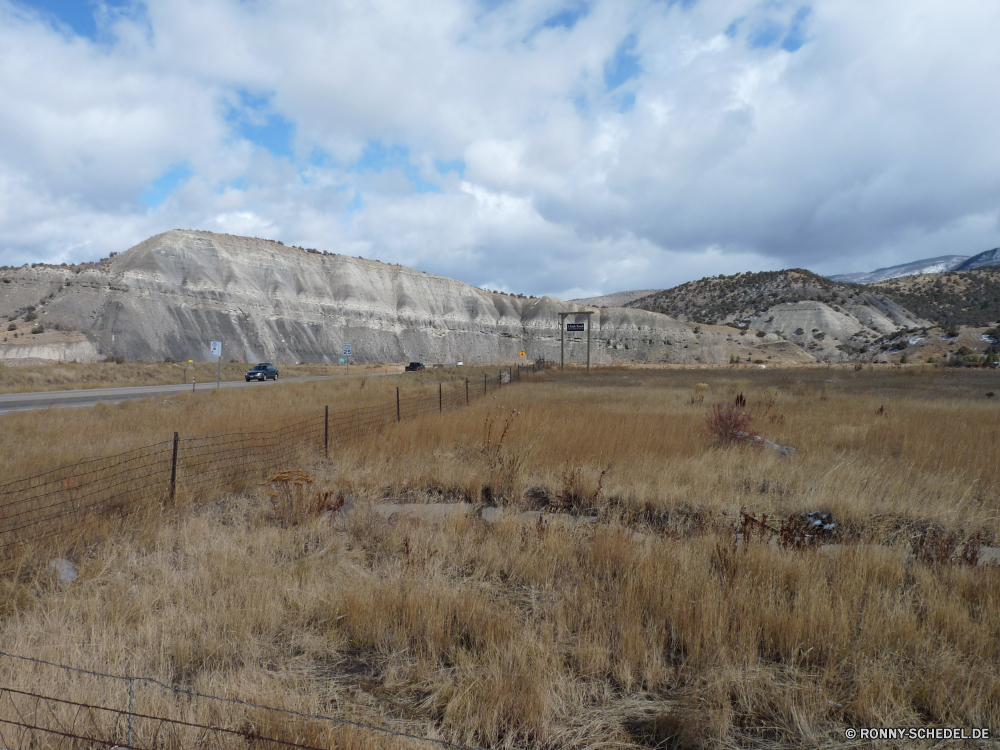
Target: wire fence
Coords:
[(102, 710), (96, 496)]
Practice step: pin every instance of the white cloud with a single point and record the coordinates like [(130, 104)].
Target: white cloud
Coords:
[(868, 141)]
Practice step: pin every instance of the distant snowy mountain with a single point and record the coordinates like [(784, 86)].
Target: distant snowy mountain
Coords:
[(917, 267), (989, 258)]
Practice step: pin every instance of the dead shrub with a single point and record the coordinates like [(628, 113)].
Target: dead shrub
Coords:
[(502, 466), (935, 546), (293, 499), (580, 493), (729, 423)]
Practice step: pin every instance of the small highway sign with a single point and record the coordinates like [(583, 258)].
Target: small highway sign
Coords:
[(216, 348), (522, 352), (348, 350), (575, 327)]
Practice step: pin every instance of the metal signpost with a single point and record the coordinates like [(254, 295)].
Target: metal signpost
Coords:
[(217, 352), (348, 351), (563, 327)]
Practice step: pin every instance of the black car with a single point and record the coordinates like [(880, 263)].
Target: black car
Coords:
[(414, 366), (263, 371)]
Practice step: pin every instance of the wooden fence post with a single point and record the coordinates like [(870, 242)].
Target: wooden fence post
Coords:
[(466, 391), (440, 405), (397, 403), (326, 431)]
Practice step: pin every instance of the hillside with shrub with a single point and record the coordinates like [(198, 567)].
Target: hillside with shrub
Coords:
[(725, 299), (950, 299)]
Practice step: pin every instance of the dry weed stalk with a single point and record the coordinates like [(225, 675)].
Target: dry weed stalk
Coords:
[(502, 465)]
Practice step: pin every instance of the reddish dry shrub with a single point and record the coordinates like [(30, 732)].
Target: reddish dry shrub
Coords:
[(729, 423)]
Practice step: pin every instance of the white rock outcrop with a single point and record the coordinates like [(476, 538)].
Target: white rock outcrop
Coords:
[(172, 294)]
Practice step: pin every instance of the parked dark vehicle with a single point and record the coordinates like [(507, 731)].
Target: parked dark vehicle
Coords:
[(414, 366), (263, 371)]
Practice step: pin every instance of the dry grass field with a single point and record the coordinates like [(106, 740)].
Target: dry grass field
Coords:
[(19, 378), (626, 612)]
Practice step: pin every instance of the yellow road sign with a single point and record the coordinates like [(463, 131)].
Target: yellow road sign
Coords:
[(522, 353)]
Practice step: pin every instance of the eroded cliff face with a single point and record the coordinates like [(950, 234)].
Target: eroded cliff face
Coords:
[(169, 296)]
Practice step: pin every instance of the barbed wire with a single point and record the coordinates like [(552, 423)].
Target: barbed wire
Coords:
[(133, 715), (77, 498), (234, 701)]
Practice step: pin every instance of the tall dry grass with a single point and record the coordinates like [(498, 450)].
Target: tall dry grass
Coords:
[(928, 456), (38, 440), (17, 378), (653, 625)]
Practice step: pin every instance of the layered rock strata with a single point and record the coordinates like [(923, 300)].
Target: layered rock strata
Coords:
[(171, 295)]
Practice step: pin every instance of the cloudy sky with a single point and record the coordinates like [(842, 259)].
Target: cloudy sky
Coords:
[(568, 147)]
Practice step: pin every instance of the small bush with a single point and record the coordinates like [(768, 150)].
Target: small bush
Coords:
[(30, 317), (38, 329), (12, 326), (293, 498), (730, 422), (761, 334)]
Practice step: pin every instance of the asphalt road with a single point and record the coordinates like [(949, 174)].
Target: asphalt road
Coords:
[(10, 402)]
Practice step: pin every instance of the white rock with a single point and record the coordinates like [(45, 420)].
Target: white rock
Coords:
[(64, 570)]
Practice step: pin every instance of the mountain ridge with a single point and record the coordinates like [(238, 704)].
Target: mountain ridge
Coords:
[(170, 295), (927, 265)]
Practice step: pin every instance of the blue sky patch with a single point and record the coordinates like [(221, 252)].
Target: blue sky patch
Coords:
[(356, 204), (624, 101), (734, 27), (254, 121), (377, 158), (624, 66), (566, 18), (157, 192), (78, 15), (796, 35), (767, 33), (456, 165)]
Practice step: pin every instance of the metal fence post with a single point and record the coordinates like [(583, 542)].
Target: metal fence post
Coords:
[(131, 708), (397, 403), (173, 472), (326, 431), (440, 403)]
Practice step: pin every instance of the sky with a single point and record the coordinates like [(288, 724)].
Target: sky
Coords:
[(564, 147)]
